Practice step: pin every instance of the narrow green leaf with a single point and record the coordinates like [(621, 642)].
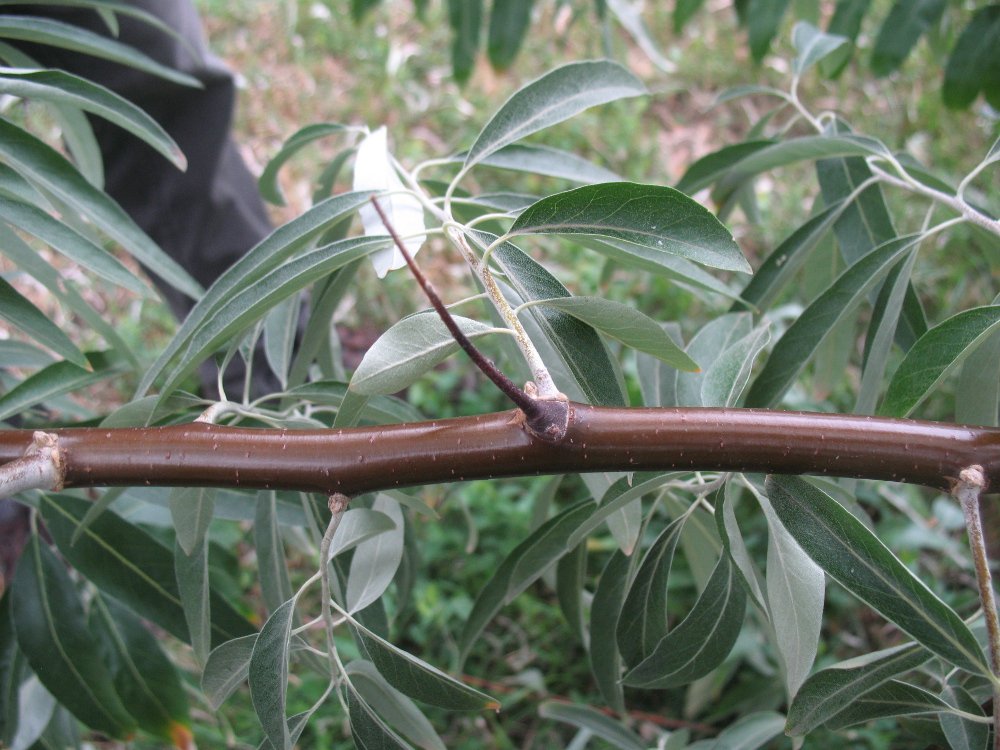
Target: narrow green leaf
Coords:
[(46, 168), (892, 698), (357, 525), (509, 21), (525, 564), (605, 616), (906, 23), (935, 354), (368, 730), (795, 592), (10, 669), (126, 562), (727, 376), (974, 60), (376, 559), (51, 632), (64, 88), (55, 380), (578, 344), (281, 327), (411, 347), (274, 584), (571, 571), (556, 96), (15, 353), (598, 724), (257, 263), (418, 679), (268, 674), (656, 217), (751, 731), (548, 161), (194, 590), (684, 10), (706, 348), (67, 36), (702, 640), (763, 21), (625, 324), (241, 311), (735, 545), (813, 45), (466, 20), (804, 336), (145, 679), (977, 392), (618, 495), (399, 711), (191, 510), (712, 167), (66, 240), (227, 667), (842, 545), (962, 733), (23, 315), (270, 190), (315, 343), (832, 689), (643, 620)]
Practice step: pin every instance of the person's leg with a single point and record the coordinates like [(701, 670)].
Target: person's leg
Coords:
[(208, 216)]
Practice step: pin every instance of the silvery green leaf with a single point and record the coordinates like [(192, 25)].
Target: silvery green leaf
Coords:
[(193, 588), (227, 667), (407, 350), (556, 96), (376, 559), (548, 161), (274, 584), (892, 698), (357, 525), (962, 733), (191, 509), (813, 45), (268, 673), (600, 725), (399, 711)]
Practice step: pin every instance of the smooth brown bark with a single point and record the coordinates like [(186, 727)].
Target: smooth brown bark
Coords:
[(363, 459)]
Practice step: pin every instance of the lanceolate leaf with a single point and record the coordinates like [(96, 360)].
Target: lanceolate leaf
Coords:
[(274, 584), (409, 349), (593, 721), (51, 632), (24, 316), (656, 217), (226, 669), (55, 380), (763, 19), (813, 45), (269, 674), (44, 167), (643, 620), (893, 698), (466, 19), (509, 20), (605, 616), (972, 66), (548, 161), (577, 343), (191, 572), (556, 96), (711, 167), (963, 733), (268, 182), (525, 564), (802, 339), (618, 495), (267, 255), (830, 690), (859, 561), (130, 565), (368, 730), (148, 684), (906, 23), (418, 679), (191, 509), (64, 88), (626, 324), (935, 354), (702, 640), (376, 559)]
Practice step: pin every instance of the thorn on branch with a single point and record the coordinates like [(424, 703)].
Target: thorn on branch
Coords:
[(546, 419)]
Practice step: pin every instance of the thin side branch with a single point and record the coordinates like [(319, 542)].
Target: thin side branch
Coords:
[(967, 491), (41, 467)]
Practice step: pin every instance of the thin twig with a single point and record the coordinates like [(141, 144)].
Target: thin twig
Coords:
[(540, 415), (967, 490)]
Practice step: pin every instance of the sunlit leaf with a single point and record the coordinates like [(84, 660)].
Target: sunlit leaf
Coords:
[(656, 217), (702, 640), (51, 632), (935, 354), (850, 553), (556, 96)]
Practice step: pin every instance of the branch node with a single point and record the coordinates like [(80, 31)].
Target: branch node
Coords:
[(42, 466)]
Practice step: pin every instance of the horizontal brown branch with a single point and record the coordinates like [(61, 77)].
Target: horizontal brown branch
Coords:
[(364, 459)]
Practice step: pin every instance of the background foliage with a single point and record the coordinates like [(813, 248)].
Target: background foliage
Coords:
[(519, 586)]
